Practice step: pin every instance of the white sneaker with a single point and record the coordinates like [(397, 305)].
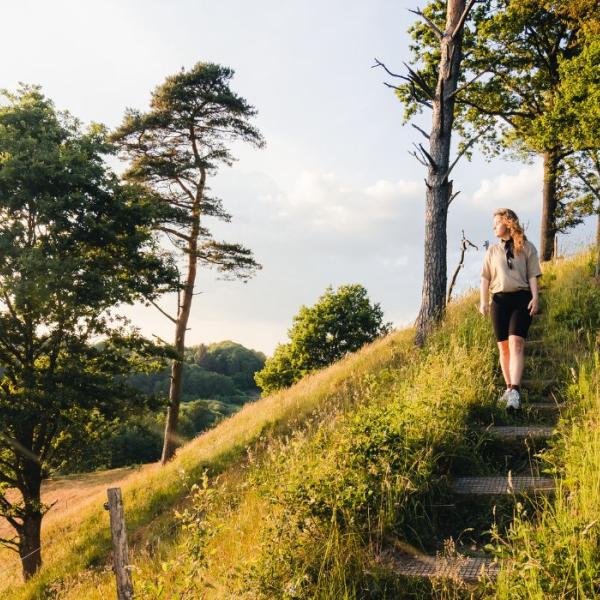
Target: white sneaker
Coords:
[(513, 400), (503, 396)]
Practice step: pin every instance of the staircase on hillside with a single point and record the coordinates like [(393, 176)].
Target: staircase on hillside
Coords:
[(513, 442)]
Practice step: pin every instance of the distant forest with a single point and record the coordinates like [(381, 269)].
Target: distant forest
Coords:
[(218, 380)]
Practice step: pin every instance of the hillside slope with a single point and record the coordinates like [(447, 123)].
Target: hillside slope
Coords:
[(304, 488)]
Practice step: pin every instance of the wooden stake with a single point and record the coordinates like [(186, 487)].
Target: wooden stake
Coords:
[(119, 539)]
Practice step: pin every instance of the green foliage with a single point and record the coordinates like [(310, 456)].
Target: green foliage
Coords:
[(369, 473), (341, 322), (230, 359), (74, 242), (180, 141), (197, 526)]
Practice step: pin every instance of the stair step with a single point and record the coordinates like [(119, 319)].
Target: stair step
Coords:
[(543, 384), (461, 568), (513, 432), (496, 485), (544, 406)]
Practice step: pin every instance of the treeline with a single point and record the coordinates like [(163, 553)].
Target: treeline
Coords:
[(218, 379)]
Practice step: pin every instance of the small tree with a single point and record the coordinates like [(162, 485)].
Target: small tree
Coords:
[(173, 149), (340, 322), (74, 242)]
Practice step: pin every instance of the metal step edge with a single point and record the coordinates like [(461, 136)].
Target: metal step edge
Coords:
[(499, 485), (462, 568), (519, 431)]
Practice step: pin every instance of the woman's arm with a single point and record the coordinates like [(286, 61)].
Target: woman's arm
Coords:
[(484, 288), (534, 302)]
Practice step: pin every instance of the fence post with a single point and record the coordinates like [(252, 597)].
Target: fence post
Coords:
[(119, 540)]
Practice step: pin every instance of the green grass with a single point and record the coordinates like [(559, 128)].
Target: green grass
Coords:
[(558, 555), (303, 486)]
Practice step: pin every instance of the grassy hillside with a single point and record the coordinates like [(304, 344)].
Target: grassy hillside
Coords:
[(294, 496)]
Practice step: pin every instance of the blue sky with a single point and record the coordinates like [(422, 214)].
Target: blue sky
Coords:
[(334, 197)]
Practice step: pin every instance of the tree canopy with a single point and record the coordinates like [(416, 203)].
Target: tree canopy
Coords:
[(340, 322), (74, 242)]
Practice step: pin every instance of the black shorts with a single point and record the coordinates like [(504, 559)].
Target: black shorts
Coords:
[(509, 313)]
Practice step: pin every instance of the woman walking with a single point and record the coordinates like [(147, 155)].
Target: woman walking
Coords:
[(510, 271)]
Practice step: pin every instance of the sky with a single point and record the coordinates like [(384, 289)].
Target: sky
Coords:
[(334, 197)]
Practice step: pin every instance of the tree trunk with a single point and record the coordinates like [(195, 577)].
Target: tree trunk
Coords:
[(30, 529), (598, 243), (439, 188), (30, 544), (183, 314), (550, 202)]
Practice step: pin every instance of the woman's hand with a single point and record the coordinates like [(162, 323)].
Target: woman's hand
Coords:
[(533, 306), (484, 308)]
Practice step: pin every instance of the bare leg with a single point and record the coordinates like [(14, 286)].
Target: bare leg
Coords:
[(504, 361), (516, 346)]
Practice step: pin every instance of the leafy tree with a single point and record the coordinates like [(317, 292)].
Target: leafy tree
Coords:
[(575, 118), (174, 148), (339, 323), (508, 83), (229, 358), (74, 242)]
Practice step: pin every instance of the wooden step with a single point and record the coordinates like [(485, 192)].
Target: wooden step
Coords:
[(516, 432), (497, 485), (461, 568)]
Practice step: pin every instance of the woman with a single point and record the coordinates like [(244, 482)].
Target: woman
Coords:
[(510, 271)]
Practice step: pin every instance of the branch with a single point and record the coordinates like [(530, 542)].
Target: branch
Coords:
[(436, 30), (581, 176), (378, 63), (453, 196), (176, 233), (419, 129), (184, 188), (468, 83), (419, 80), (462, 152), (10, 543), (163, 312), (461, 21), (413, 153), (429, 157), (492, 113)]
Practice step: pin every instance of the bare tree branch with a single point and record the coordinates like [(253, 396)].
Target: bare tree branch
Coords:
[(175, 233), (453, 196), (163, 312), (413, 153), (436, 30), (421, 130), (460, 88), (378, 63), (461, 21), (466, 147), (419, 80)]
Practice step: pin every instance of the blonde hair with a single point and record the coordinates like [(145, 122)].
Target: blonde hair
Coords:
[(510, 219)]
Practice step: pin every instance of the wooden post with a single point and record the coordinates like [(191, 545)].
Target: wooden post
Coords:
[(119, 539)]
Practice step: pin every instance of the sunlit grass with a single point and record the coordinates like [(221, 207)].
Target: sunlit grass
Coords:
[(355, 451)]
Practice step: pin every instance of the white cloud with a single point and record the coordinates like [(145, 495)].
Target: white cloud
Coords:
[(521, 191), (322, 203)]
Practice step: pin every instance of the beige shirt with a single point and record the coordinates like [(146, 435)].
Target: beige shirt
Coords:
[(502, 279)]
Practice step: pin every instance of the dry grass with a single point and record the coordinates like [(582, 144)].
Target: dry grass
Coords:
[(71, 545)]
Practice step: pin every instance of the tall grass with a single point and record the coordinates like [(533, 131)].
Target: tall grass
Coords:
[(558, 555), (78, 550), (295, 494)]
